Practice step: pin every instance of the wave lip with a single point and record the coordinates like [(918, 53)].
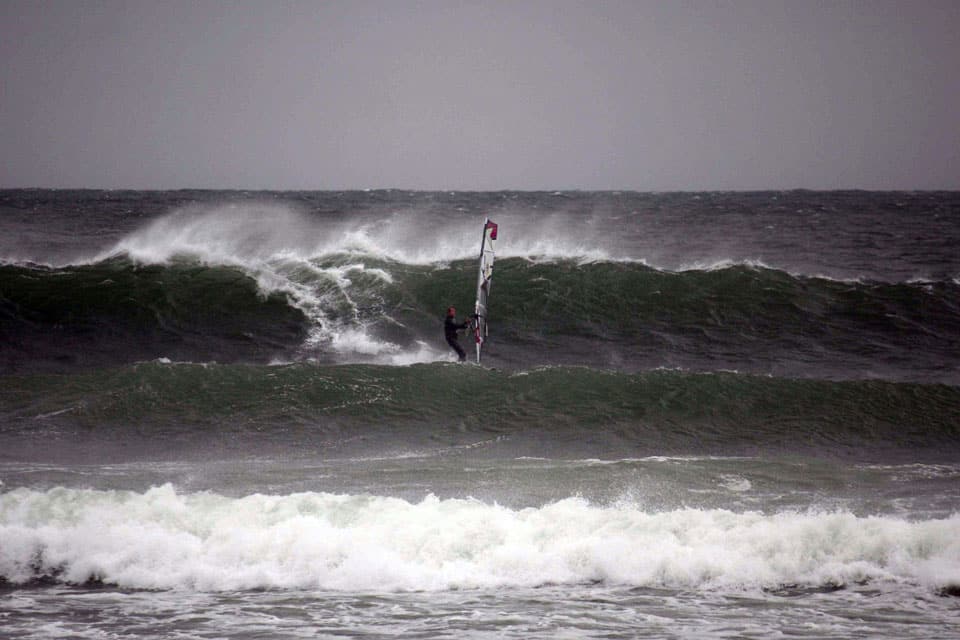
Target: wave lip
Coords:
[(161, 539)]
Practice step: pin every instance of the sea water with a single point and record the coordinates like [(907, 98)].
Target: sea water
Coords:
[(233, 414)]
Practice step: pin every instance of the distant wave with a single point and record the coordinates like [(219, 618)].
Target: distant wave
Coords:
[(255, 235)]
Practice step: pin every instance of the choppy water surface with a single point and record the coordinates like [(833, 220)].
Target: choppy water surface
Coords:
[(700, 415)]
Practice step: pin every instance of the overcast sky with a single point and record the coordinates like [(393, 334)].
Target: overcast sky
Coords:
[(658, 95)]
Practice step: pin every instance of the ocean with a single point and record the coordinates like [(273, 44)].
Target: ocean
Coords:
[(232, 414)]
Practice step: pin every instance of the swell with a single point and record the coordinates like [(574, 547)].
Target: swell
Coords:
[(341, 308), (116, 311), (156, 410), (738, 317)]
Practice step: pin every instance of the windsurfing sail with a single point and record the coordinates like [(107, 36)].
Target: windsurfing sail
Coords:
[(484, 280)]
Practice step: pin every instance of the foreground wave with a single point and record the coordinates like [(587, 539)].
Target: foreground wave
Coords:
[(162, 539)]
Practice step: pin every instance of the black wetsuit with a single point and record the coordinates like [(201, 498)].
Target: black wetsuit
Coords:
[(450, 328)]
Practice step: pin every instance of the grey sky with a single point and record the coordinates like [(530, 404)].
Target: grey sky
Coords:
[(481, 95)]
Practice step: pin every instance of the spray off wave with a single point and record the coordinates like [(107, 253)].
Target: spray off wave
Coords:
[(255, 234), (162, 539)]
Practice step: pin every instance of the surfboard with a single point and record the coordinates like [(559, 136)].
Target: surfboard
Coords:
[(484, 280)]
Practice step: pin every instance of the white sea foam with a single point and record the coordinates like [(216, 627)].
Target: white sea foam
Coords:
[(735, 483), (720, 265), (165, 539)]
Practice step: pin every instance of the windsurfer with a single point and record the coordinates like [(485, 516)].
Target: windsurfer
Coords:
[(450, 328)]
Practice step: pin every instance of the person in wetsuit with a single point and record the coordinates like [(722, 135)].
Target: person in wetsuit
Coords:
[(450, 328)]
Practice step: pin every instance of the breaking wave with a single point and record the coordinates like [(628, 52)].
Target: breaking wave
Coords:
[(341, 308), (162, 539)]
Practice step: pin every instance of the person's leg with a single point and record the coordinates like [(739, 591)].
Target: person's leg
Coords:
[(461, 354)]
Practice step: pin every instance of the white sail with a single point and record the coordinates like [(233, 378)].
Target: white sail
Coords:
[(484, 280)]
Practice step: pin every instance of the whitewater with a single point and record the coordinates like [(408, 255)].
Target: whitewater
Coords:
[(160, 539), (701, 415)]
